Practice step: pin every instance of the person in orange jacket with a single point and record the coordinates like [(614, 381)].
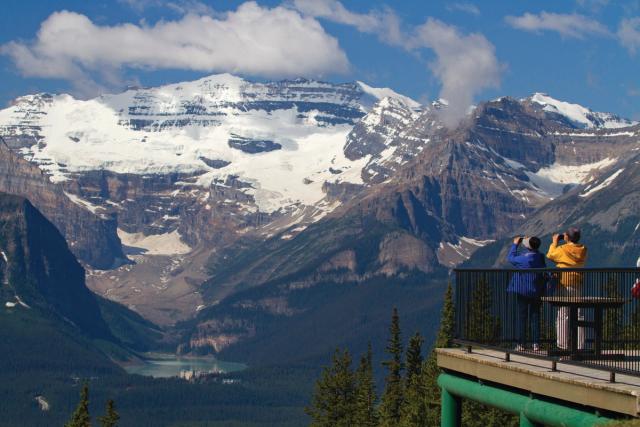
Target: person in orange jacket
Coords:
[(572, 254)]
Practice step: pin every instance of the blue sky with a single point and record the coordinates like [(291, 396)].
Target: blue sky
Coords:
[(585, 51)]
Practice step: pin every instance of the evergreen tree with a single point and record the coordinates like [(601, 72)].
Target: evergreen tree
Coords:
[(481, 325), (447, 320), (430, 370), (414, 408), (366, 414), (111, 417), (81, 417), (333, 402), (393, 395), (612, 322)]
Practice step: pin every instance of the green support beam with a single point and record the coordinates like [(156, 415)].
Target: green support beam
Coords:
[(532, 411), (451, 409)]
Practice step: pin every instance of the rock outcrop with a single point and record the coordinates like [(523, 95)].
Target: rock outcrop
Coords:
[(91, 236)]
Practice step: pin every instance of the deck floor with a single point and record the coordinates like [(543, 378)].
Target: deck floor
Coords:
[(577, 384)]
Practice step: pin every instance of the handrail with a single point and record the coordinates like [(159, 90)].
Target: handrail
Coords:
[(588, 316)]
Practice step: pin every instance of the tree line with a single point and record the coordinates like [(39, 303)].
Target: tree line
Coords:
[(345, 396)]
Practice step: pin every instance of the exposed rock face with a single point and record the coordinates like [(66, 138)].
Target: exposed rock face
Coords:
[(39, 271), (461, 189), (92, 236), (218, 335), (294, 185), (252, 146), (607, 209)]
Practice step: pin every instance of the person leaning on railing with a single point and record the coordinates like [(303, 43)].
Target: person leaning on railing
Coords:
[(528, 288), (572, 254)]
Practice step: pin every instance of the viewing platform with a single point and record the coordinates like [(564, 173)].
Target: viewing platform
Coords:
[(572, 358)]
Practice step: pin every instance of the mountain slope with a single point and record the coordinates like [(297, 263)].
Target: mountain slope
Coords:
[(463, 188), (41, 278), (607, 209), (92, 237)]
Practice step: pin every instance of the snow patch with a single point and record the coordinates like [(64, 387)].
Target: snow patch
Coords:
[(4, 257), (22, 303), (155, 244), (9, 304), (384, 92), (589, 191), (83, 203), (42, 402), (579, 114), (474, 242), (551, 180)]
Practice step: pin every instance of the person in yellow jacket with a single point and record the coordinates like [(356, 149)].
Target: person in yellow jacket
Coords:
[(572, 254)]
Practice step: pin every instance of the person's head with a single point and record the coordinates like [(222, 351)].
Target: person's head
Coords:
[(572, 235), (531, 243)]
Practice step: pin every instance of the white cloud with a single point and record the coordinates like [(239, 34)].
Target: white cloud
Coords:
[(464, 7), (567, 25), (464, 64), (254, 40), (629, 34)]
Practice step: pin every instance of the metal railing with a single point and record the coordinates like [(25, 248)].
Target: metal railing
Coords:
[(581, 316)]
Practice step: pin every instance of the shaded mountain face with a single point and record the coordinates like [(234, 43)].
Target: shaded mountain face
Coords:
[(41, 280), (40, 273), (91, 236)]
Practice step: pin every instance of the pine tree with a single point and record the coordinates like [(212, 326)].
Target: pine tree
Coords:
[(81, 417), (333, 402), (430, 370), (447, 320), (414, 408), (393, 395), (612, 322), (481, 325), (111, 417), (366, 414)]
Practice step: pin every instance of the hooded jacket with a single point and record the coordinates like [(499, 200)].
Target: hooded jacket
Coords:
[(569, 255), (526, 284)]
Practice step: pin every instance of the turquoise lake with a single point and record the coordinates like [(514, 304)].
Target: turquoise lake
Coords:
[(164, 366)]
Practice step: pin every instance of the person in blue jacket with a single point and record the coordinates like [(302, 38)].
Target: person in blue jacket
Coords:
[(528, 288)]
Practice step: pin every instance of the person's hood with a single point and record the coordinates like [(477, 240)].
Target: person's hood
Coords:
[(575, 251)]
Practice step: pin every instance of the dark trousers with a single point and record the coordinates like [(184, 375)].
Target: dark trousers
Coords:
[(528, 312)]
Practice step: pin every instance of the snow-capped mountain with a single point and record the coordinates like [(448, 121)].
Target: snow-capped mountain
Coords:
[(197, 174), (205, 161), (280, 138), (461, 190)]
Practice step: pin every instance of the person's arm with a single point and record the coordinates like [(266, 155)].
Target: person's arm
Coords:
[(554, 253), (519, 261)]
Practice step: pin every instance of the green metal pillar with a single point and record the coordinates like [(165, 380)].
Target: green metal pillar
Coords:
[(451, 410)]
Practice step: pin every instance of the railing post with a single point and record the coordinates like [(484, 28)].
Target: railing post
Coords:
[(526, 422), (451, 410)]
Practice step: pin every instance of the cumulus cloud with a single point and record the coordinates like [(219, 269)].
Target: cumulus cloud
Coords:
[(567, 25), (464, 64), (629, 34), (254, 40)]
